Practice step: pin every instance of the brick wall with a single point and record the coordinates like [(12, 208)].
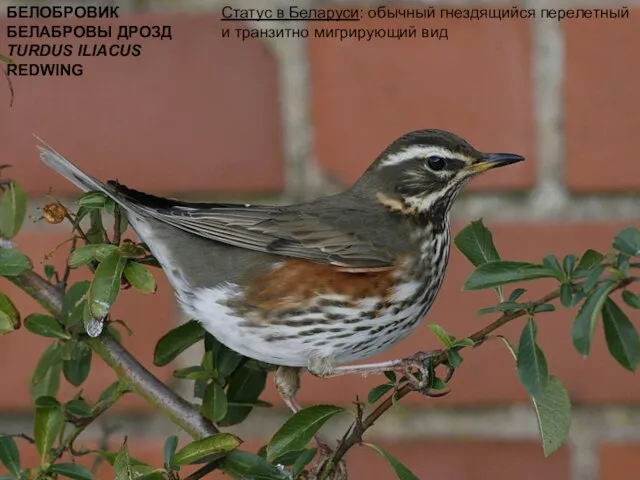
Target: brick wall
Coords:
[(284, 120)]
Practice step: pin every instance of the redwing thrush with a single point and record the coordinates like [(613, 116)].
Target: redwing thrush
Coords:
[(320, 283)]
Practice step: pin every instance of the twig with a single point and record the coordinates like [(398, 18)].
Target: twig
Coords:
[(75, 224), (478, 337), (126, 366), (67, 268), (24, 436)]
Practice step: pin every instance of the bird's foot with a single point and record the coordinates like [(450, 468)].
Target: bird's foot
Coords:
[(422, 380)]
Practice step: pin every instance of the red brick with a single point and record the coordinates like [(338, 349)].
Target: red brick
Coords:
[(619, 461), (21, 350), (601, 104), (197, 113), (477, 84), (488, 374), (462, 461)]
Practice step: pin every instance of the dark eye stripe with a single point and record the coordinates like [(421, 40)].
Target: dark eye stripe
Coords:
[(455, 164)]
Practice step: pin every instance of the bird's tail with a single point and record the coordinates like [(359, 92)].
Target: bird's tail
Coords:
[(85, 182)]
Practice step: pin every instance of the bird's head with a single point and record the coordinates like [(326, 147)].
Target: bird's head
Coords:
[(424, 171)]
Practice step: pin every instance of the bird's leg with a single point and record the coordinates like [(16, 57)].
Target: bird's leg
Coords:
[(287, 380), (403, 365)]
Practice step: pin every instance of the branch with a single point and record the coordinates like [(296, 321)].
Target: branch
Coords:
[(128, 369), (478, 337)]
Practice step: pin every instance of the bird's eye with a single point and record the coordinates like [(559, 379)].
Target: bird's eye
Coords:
[(436, 163)]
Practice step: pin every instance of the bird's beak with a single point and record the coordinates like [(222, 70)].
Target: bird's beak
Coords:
[(493, 160)]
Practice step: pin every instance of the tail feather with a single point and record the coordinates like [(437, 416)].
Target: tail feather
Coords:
[(85, 182)]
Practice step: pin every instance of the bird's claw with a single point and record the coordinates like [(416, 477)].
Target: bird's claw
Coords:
[(420, 362)]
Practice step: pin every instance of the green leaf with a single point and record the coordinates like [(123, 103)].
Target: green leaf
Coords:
[(568, 264), (463, 342), (545, 307), (621, 336), (138, 470), (46, 401), (377, 392), (631, 299), (553, 413), (132, 250), (49, 384), (551, 262), (74, 301), (72, 470), (502, 272), (219, 443), (552, 408), (88, 253), (13, 262), (176, 341), (475, 242), (214, 403), (49, 271), (195, 372), (585, 322), (226, 360), (442, 335), (628, 241), (588, 261), (299, 429), (13, 209), (516, 294), (140, 277), (593, 278), (109, 391), (454, 358), (170, 446), (10, 455), (122, 463), (402, 472), (77, 368), (566, 295), (244, 465), (146, 472), (245, 386), (53, 355), (45, 326), (92, 200), (105, 285), (47, 425), (78, 407), (533, 370), (9, 315), (302, 461), (96, 233), (486, 310)]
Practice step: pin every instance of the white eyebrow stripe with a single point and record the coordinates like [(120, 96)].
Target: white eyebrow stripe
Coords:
[(419, 151)]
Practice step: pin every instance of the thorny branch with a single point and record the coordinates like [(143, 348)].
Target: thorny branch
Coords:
[(363, 424)]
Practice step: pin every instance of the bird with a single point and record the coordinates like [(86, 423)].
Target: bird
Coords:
[(320, 284)]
